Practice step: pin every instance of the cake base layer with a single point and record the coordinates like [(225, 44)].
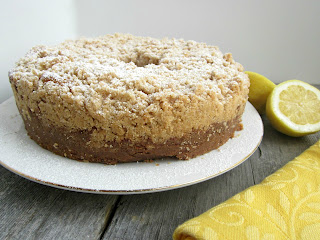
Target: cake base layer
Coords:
[(76, 144)]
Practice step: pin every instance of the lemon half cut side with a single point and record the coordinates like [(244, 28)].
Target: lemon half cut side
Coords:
[(293, 108)]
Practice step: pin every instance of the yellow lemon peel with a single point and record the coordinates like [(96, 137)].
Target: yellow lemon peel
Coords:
[(260, 88)]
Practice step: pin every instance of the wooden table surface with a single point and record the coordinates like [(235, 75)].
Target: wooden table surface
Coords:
[(29, 210)]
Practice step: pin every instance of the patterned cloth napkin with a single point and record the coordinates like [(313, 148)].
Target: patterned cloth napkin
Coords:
[(286, 205)]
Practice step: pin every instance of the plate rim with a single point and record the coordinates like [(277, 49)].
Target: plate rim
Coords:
[(135, 191)]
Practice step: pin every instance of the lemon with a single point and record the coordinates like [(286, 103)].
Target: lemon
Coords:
[(293, 108), (260, 88)]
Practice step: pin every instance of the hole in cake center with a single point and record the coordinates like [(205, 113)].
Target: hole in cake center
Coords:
[(142, 60)]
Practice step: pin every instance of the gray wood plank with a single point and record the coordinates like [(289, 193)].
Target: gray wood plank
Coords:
[(33, 211), (277, 149), (156, 215)]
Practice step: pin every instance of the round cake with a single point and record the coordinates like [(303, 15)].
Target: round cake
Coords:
[(122, 98)]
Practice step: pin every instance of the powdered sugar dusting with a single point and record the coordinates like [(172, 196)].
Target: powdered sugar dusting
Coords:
[(107, 79)]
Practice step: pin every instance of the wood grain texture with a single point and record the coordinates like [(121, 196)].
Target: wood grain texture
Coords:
[(33, 211), (277, 149)]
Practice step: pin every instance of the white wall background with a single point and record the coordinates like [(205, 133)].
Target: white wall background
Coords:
[(24, 24), (277, 38)]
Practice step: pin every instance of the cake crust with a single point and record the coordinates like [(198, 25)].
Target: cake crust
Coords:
[(122, 88)]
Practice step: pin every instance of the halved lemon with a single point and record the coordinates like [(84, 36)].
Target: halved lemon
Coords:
[(259, 90), (293, 108)]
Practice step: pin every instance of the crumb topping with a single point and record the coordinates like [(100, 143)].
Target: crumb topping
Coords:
[(126, 87)]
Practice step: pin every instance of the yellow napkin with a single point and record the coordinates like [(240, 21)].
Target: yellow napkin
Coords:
[(286, 205)]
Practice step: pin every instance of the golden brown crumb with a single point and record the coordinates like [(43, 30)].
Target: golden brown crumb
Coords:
[(126, 87)]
